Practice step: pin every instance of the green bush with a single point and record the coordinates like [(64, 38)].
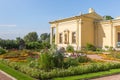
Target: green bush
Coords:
[(70, 49), (83, 59), (33, 45), (2, 51), (109, 48), (90, 47), (58, 59), (46, 61), (70, 62)]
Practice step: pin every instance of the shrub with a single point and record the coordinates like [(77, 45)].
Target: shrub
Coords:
[(98, 49), (90, 47), (33, 45), (83, 59), (106, 47), (62, 50), (70, 49), (110, 48), (2, 51), (46, 61), (58, 59), (70, 62)]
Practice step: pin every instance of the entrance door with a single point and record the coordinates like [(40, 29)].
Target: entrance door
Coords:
[(118, 37), (118, 43)]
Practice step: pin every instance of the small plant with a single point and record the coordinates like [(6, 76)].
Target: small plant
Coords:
[(110, 48), (99, 50), (90, 47), (106, 47), (70, 49)]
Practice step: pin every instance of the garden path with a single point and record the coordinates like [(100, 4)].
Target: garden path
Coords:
[(98, 57), (112, 77), (5, 76)]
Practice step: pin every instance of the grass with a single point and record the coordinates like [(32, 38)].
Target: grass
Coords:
[(16, 74), (90, 75)]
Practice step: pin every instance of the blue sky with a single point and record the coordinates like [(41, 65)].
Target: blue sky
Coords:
[(18, 17)]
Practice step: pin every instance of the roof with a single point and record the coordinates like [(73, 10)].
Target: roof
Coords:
[(93, 15)]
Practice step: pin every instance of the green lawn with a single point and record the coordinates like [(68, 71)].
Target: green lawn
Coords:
[(18, 75), (90, 75)]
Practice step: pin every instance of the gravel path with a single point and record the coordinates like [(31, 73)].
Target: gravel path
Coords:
[(4, 76), (112, 77), (98, 57)]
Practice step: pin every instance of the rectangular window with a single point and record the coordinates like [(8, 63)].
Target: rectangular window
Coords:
[(60, 38), (73, 37)]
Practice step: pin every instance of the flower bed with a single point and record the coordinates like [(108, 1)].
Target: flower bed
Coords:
[(78, 70)]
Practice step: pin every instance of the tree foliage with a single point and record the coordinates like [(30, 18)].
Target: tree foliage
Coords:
[(45, 37), (8, 44), (30, 41), (33, 45), (31, 37), (107, 17)]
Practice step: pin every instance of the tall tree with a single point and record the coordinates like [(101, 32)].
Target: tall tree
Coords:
[(31, 37), (45, 37)]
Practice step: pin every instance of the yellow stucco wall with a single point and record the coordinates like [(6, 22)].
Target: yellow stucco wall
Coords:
[(104, 34), (71, 26), (87, 32)]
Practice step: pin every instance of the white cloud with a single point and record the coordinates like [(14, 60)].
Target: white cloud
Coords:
[(9, 25)]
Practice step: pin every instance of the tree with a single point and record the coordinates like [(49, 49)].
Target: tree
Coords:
[(107, 17), (31, 37), (45, 37), (20, 42), (8, 44), (45, 40)]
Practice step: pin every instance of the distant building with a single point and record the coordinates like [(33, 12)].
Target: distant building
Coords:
[(86, 28)]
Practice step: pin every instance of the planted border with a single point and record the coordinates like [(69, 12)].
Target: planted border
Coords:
[(90, 75), (57, 72)]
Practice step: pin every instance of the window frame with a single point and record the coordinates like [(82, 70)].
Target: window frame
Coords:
[(60, 38), (73, 37)]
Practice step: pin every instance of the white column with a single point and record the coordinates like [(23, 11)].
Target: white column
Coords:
[(77, 34), (56, 35), (51, 35)]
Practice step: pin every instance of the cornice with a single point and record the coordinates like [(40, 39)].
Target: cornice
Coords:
[(65, 19)]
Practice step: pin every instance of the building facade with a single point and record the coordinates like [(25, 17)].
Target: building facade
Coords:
[(85, 28)]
